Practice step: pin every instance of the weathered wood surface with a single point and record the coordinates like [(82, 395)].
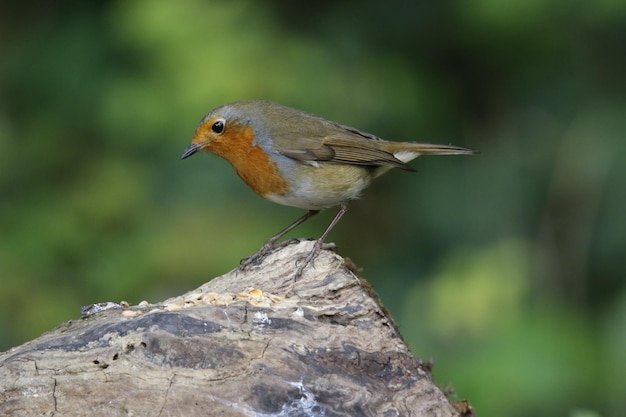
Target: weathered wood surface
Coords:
[(252, 343)]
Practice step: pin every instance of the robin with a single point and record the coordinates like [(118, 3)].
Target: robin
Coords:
[(301, 160)]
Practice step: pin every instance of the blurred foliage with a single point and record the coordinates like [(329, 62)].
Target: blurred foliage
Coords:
[(506, 268)]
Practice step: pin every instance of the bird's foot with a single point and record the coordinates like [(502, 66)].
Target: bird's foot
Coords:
[(309, 258), (267, 248)]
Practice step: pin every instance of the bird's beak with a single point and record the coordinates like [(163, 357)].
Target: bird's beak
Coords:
[(191, 149)]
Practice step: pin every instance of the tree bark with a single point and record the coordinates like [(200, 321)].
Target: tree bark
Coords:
[(248, 343)]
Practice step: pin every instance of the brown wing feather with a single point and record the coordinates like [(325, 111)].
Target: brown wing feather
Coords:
[(344, 147), (361, 151)]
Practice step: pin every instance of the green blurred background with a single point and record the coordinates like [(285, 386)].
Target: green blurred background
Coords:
[(506, 268)]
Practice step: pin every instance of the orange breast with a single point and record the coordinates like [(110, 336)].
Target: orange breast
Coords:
[(251, 163)]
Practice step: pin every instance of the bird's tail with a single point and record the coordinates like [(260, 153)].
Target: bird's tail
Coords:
[(407, 151), (428, 148)]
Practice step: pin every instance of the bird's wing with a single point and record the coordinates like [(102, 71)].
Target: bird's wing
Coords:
[(342, 145)]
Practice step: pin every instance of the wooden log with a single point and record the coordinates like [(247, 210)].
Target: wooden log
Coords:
[(248, 343)]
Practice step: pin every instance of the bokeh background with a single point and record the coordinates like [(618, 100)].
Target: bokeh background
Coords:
[(506, 268)]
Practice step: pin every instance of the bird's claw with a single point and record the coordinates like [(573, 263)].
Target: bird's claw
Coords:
[(301, 262), (267, 248), (309, 258)]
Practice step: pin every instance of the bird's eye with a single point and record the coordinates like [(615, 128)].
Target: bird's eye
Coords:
[(218, 127)]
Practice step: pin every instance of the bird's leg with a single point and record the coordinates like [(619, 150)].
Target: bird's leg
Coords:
[(271, 242), (319, 244)]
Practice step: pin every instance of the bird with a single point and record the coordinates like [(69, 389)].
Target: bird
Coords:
[(298, 159)]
